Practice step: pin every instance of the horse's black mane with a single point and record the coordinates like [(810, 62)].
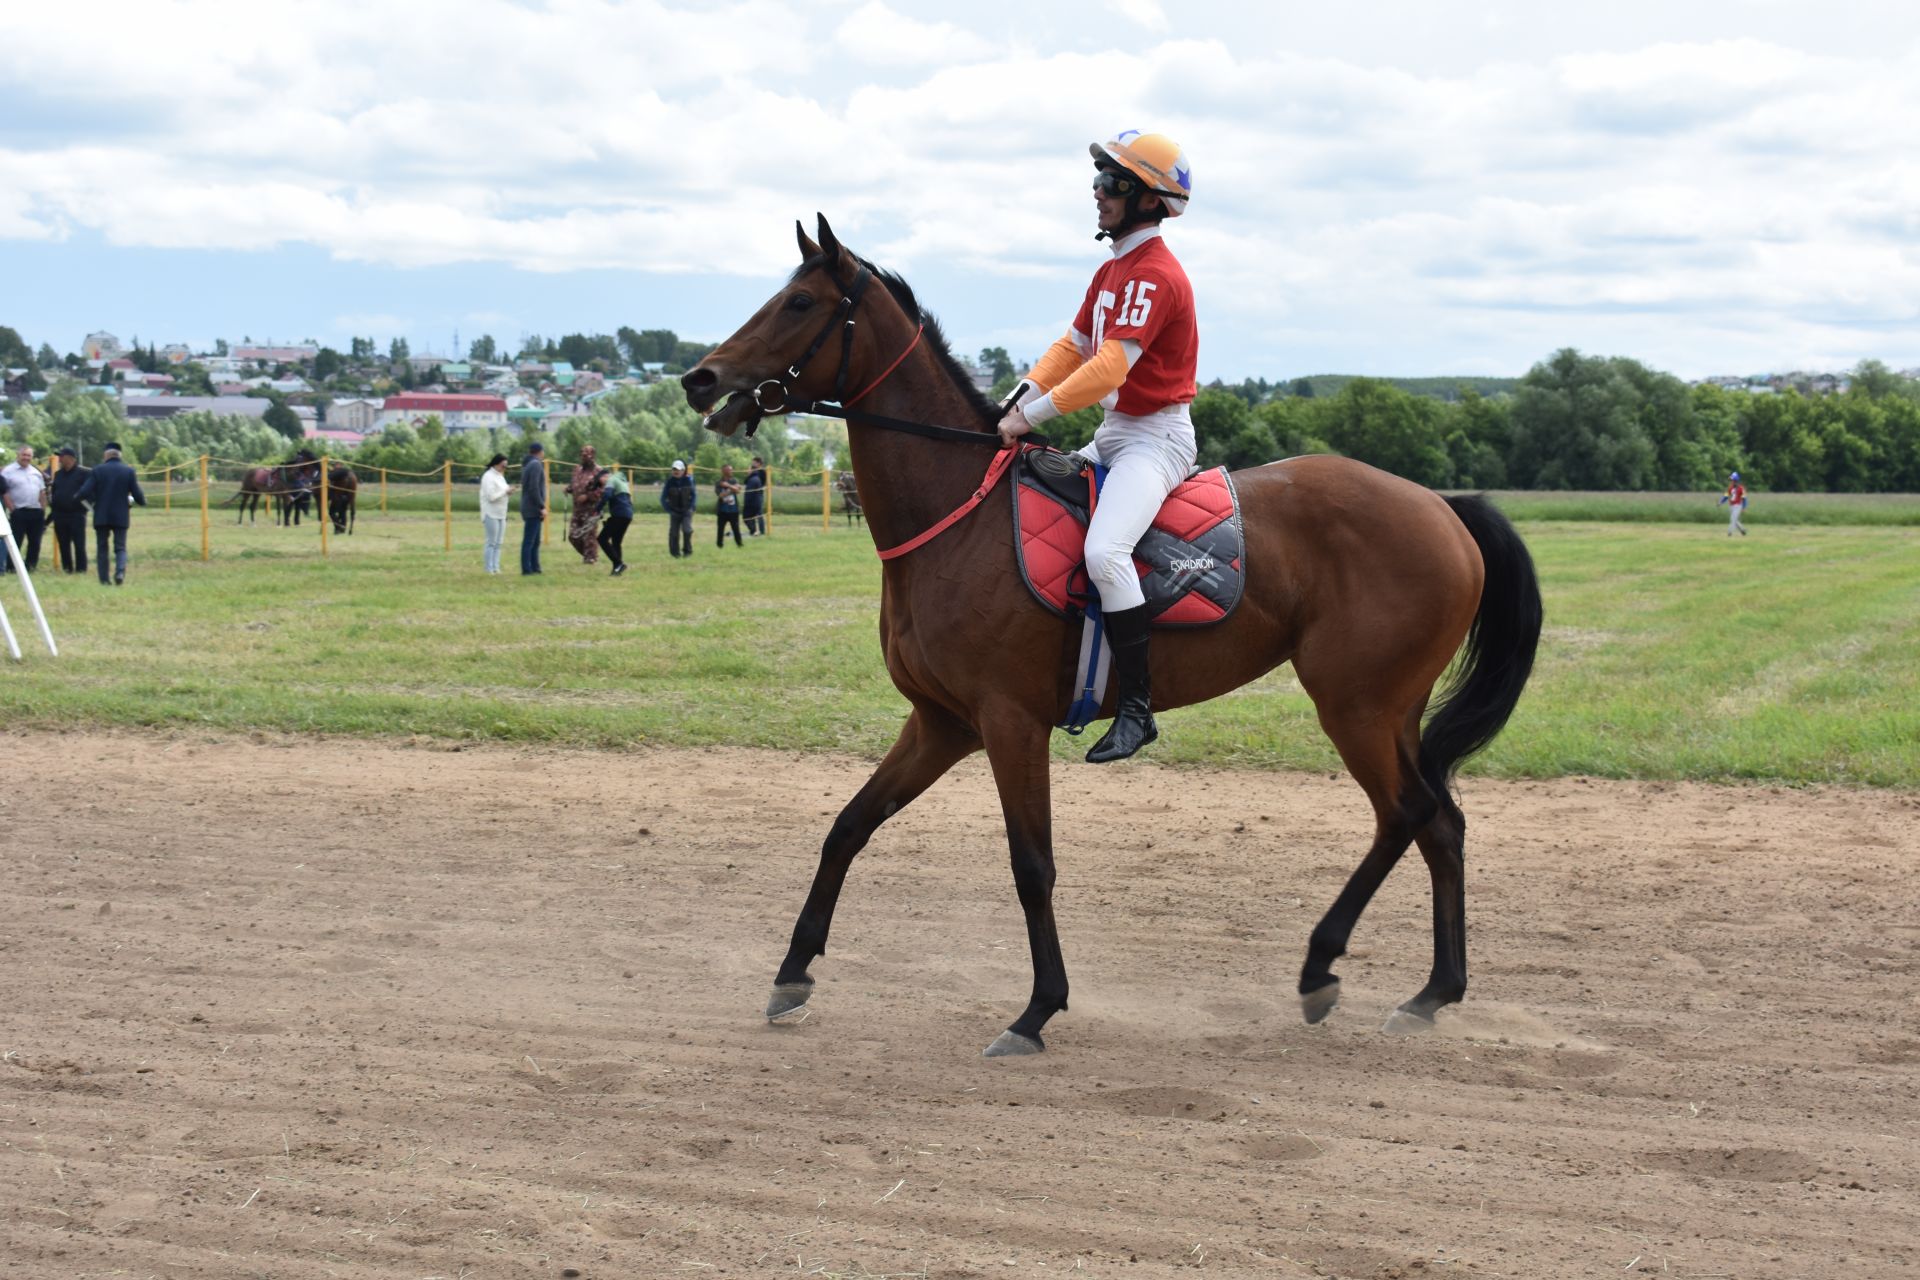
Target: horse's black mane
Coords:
[(983, 407)]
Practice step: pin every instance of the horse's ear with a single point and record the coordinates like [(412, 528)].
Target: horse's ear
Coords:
[(808, 249), (829, 242)]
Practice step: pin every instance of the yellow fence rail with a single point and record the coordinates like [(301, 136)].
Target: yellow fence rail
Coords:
[(219, 483)]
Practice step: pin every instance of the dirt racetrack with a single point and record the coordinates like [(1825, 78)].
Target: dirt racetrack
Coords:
[(313, 1009)]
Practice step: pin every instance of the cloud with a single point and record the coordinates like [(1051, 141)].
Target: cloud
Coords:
[(875, 33), (1730, 181), (1143, 13)]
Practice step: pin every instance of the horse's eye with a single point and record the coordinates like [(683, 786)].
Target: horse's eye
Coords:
[(799, 302)]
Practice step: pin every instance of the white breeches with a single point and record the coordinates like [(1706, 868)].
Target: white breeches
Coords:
[(1146, 459), (1733, 515)]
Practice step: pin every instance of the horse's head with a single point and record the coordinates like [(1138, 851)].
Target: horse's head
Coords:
[(796, 346)]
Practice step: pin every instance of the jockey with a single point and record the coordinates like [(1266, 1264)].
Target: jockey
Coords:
[(1133, 349)]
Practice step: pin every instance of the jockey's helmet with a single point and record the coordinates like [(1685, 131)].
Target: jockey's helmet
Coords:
[(1154, 159)]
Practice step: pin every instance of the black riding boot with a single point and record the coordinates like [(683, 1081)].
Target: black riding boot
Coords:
[(1133, 724)]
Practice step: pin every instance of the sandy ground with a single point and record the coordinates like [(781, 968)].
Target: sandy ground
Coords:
[(323, 1009)]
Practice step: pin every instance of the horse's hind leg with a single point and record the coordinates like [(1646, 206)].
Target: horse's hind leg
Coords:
[(1384, 761), (930, 743), (1442, 843)]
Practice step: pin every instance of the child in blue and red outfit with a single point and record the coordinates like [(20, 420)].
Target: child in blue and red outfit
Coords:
[(1735, 500)]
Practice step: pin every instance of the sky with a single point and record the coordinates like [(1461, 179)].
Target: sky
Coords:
[(1414, 187)]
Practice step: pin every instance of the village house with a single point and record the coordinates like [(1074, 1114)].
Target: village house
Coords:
[(266, 354), (353, 415), (100, 346)]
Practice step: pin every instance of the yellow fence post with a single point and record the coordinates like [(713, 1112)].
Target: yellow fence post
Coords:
[(446, 491), (546, 512), (326, 509), (826, 499), (383, 491), (206, 549), (168, 473)]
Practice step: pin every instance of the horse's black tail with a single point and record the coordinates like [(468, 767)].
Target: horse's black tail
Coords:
[(1498, 656)]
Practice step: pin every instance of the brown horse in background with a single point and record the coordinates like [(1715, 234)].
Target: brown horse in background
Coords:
[(259, 485), (343, 496), (1369, 584)]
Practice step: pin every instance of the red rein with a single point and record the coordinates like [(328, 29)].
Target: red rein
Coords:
[(1001, 461)]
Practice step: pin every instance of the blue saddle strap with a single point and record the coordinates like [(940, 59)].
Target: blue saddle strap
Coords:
[(1095, 657)]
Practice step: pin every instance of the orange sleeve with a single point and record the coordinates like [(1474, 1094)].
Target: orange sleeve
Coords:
[(1093, 381), (1060, 360)]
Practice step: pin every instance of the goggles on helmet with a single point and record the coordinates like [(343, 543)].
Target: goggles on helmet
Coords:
[(1113, 182)]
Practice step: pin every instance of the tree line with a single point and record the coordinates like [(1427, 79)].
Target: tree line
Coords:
[(1579, 422), (1573, 422)]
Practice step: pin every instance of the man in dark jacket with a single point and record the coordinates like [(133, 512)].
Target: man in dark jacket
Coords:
[(69, 513), (110, 488), (753, 503), (677, 496), (533, 506)]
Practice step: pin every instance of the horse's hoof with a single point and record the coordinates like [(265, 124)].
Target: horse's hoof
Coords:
[(1011, 1044), (1315, 1005), (789, 1002), (1405, 1022)]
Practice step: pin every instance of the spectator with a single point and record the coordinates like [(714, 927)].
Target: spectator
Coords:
[(69, 513), (850, 497), (23, 491), (756, 496), (727, 490), (112, 489), (616, 499), (583, 522), (677, 498), (1735, 501), (494, 490), (533, 507)]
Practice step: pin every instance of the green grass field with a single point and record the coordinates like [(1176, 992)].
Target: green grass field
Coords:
[(1670, 650)]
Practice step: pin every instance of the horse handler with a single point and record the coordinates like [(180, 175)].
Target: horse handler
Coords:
[(1134, 350)]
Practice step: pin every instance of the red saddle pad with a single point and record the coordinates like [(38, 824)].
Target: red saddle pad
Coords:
[(1192, 560)]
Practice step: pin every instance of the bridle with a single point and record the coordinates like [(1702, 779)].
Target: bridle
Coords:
[(844, 322), (840, 404)]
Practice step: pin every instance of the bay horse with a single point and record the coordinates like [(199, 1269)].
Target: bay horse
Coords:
[(1369, 584), (258, 485), (343, 495)]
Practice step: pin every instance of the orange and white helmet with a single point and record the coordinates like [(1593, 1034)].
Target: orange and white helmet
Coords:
[(1156, 160)]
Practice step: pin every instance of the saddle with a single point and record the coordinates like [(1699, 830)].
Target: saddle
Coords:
[(1192, 560)]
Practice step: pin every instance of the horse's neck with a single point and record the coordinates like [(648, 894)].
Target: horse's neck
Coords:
[(908, 483)]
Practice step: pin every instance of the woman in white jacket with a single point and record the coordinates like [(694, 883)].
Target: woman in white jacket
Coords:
[(493, 507)]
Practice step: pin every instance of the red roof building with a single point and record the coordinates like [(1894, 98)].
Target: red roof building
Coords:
[(456, 412)]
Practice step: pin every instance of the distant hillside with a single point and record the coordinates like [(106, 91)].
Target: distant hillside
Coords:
[(1326, 384)]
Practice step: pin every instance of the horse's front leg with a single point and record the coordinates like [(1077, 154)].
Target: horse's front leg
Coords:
[(1017, 749), (930, 743)]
